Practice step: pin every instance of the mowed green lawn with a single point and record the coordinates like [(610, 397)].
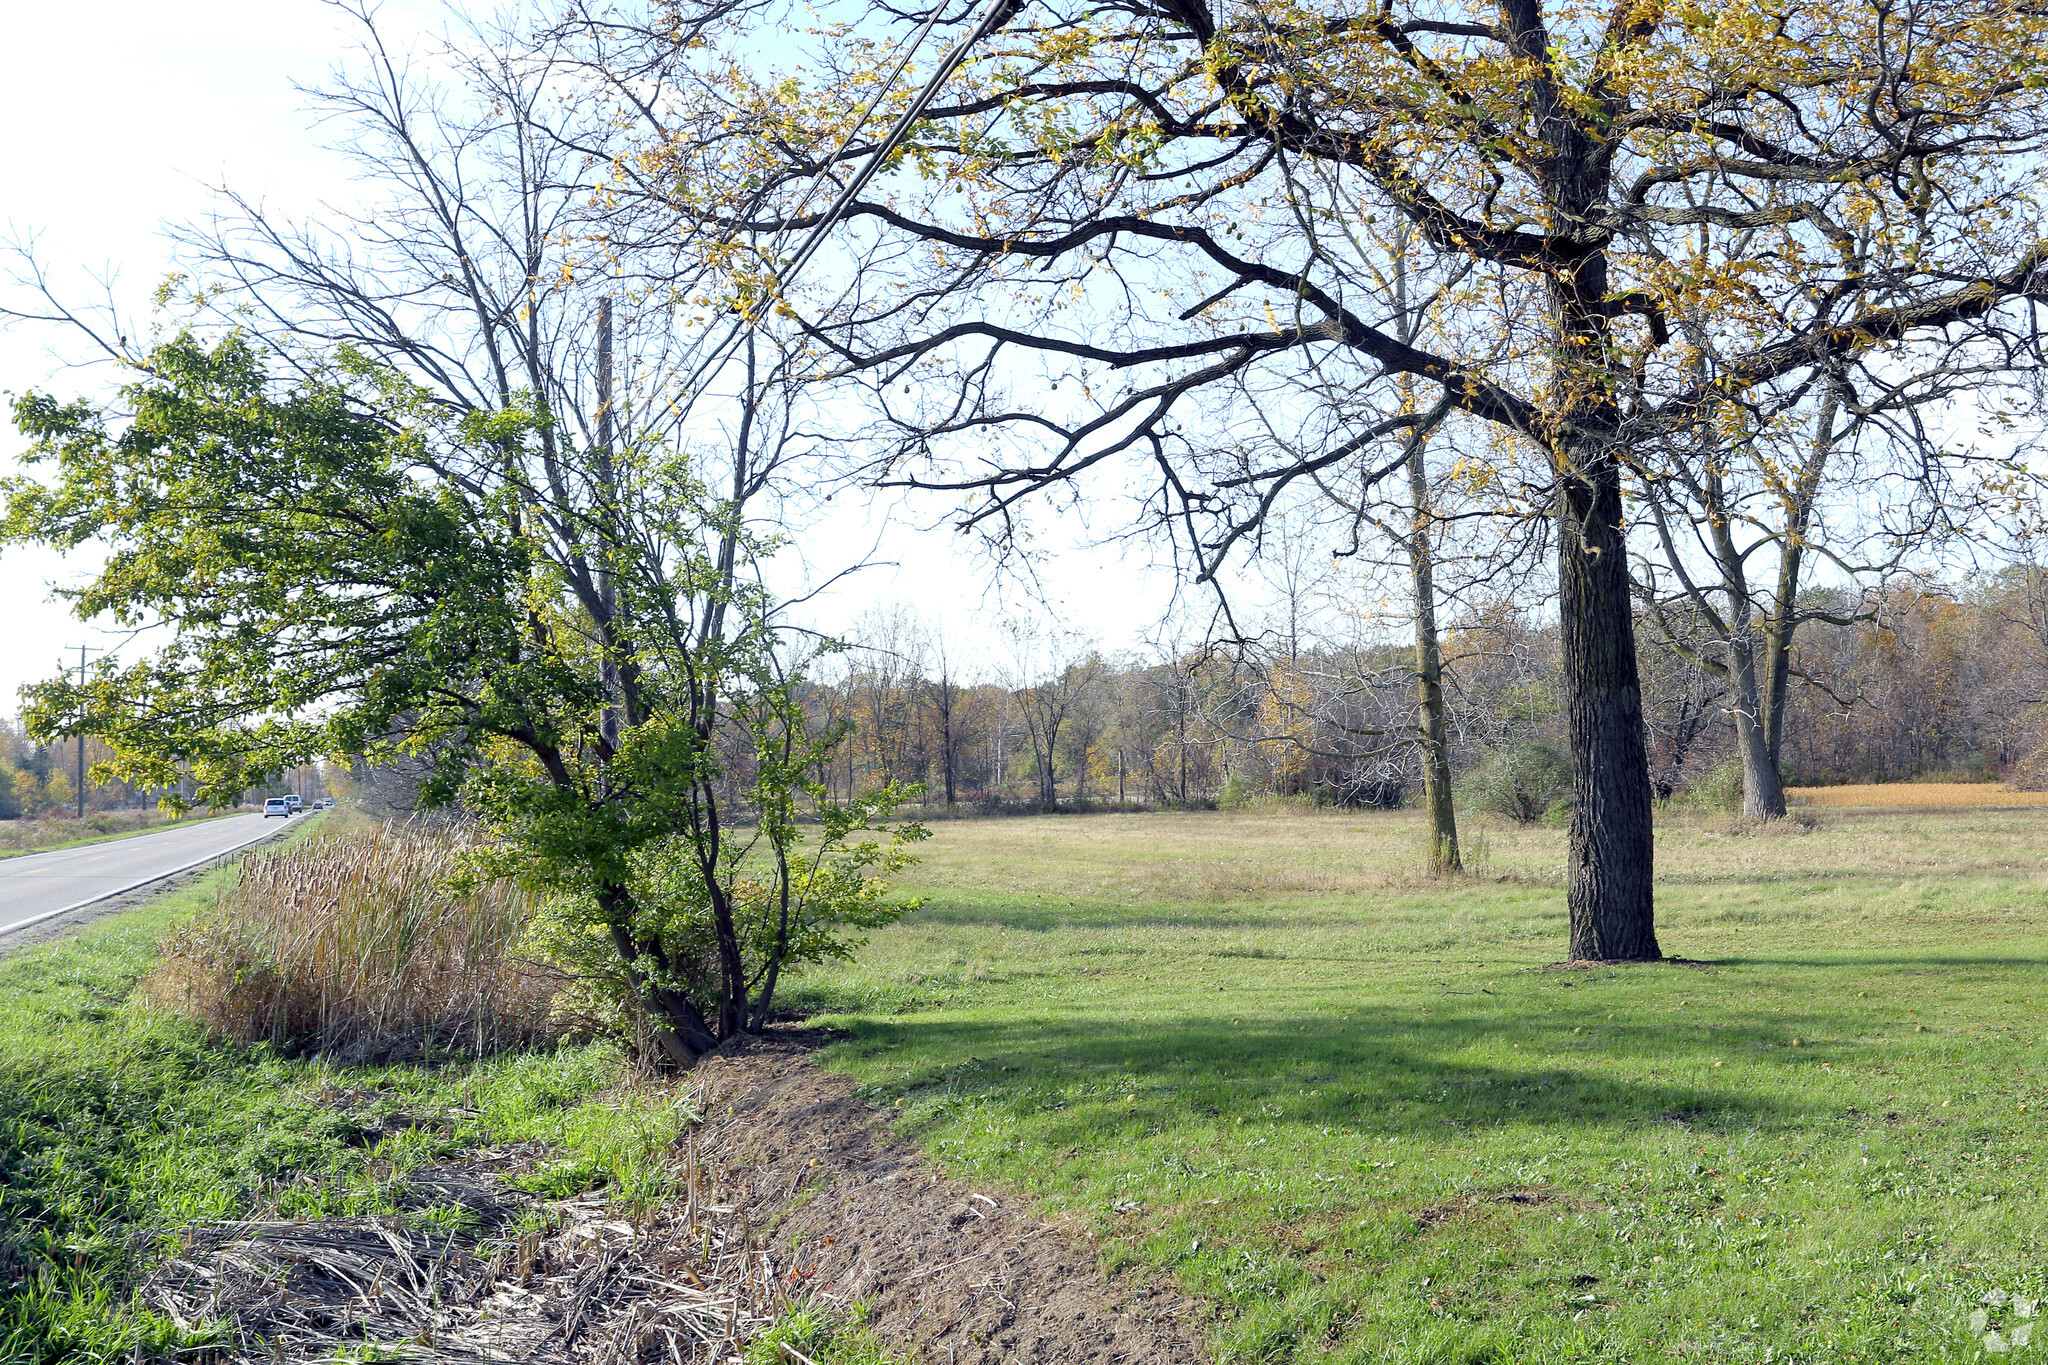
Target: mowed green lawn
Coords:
[(1263, 1054)]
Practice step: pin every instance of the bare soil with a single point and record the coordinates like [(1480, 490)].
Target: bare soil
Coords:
[(1476, 1205), (794, 1190), (964, 1275)]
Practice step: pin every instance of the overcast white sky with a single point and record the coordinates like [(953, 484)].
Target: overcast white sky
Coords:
[(120, 114)]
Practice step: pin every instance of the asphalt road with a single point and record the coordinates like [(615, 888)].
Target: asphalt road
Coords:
[(39, 886)]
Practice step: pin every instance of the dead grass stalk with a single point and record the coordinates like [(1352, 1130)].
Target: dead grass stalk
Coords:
[(547, 1281), (355, 945)]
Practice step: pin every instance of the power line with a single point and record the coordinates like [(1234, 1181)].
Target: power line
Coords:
[(994, 14), (882, 89)]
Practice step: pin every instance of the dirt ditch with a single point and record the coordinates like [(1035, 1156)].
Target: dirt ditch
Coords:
[(963, 1274), (794, 1191)]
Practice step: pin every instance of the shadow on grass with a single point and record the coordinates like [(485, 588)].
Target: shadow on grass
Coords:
[(1376, 1073), (1045, 916), (1914, 963)]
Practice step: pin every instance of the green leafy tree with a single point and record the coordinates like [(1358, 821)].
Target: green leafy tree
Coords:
[(349, 567), (433, 481)]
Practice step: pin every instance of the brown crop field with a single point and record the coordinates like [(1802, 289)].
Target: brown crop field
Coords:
[(1915, 795)]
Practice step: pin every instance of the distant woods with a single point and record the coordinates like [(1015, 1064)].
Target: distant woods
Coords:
[(1935, 680)]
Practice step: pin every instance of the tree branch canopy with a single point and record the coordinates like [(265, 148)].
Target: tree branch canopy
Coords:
[(1138, 186), (1167, 231)]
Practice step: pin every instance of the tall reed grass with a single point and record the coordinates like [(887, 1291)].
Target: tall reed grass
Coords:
[(353, 944)]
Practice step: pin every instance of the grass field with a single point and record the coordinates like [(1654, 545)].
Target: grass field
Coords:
[(1915, 795), (1263, 1054)]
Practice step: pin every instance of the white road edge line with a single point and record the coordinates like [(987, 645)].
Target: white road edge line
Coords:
[(34, 920)]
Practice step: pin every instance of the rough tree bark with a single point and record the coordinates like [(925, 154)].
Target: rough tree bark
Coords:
[(1609, 844), (1429, 680), (1610, 852)]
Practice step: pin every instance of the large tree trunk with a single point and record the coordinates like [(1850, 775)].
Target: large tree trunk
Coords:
[(1763, 792), (1609, 858), (1436, 755)]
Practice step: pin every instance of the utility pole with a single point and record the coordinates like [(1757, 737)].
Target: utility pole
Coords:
[(607, 482), (81, 732)]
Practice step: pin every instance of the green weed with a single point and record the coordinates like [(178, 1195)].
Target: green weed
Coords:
[(824, 1336)]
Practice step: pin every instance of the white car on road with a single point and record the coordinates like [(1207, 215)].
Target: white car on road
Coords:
[(277, 805)]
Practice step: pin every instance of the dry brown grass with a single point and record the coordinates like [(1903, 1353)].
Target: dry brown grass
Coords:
[(352, 944), (1916, 795), (1277, 856), (1354, 886)]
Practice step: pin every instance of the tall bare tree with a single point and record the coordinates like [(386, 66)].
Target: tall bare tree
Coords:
[(1840, 467), (1095, 243), (1053, 676)]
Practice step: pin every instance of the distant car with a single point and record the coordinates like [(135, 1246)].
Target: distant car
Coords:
[(296, 802), (277, 805), (327, 803)]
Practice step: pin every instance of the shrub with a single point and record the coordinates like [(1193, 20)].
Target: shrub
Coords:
[(2030, 774), (365, 945), (1524, 782), (60, 828), (801, 901), (1719, 787), (1363, 791)]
